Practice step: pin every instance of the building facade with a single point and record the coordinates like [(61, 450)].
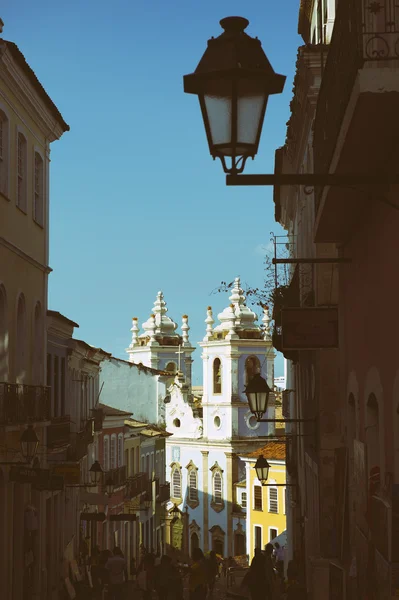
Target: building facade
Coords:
[(29, 123)]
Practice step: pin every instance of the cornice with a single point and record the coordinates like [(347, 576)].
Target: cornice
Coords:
[(26, 95), (25, 256)]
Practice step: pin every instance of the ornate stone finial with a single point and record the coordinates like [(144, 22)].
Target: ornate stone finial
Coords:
[(151, 330), (185, 329), (135, 330), (209, 323), (231, 323), (266, 323)]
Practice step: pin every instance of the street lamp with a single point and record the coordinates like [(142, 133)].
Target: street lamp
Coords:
[(257, 392), (233, 81), (96, 472), (262, 469), (29, 444), (109, 486)]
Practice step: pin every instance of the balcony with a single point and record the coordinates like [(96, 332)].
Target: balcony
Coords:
[(80, 441), (358, 81), (136, 485), (58, 433), (118, 477), (164, 493), (21, 403)]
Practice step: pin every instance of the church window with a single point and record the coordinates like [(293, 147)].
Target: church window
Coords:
[(273, 500), (176, 482), (252, 367), (217, 422), (258, 504), (194, 541), (217, 376), (193, 485), (217, 488)]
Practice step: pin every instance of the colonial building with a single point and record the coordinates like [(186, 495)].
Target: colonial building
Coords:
[(265, 505), (203, 453), (29, 123)]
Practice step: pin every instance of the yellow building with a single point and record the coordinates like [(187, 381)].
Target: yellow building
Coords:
[(265, 505), (29, 123)]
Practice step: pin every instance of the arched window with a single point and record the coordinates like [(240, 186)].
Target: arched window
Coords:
[(3, 336), (217, 376), (113, 455), (4, 153), (372, 434), (252, 367), (217, 488), (120, 449), (38, 199), (194, 541), (21, 172), (21, 347), (176, 483), (37, 350), (193, 486), (106, 452)]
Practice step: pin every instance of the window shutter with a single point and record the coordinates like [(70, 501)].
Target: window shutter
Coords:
[(273, 500), (258, 497)]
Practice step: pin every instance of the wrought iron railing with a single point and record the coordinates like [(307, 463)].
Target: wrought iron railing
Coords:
[(364, 31), (80, 441), (20, 403), (136, 485), (118, 477), (58, 433), (164, 492)]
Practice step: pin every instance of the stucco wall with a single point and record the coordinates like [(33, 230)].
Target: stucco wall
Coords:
[(135, 390)]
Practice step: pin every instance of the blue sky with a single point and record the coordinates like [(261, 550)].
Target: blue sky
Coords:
[(137, 204)]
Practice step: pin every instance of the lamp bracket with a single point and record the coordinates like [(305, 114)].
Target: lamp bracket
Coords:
[(314, 179)]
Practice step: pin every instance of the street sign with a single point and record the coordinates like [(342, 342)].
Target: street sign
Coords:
[(309, 328), (24, 474), (93, 517), (54, 483), (69, 471), (123, 517)]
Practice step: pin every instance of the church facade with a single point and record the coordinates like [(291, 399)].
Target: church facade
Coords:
[(203, 454)]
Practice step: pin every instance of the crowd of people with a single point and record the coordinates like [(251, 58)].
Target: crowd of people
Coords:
[(161, 575)]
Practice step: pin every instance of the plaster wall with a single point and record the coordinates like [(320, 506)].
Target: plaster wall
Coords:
[(132, 389)]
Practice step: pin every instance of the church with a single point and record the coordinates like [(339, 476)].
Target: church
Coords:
[(213, 429)]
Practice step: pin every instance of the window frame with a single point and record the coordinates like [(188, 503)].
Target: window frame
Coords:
[(192, 490), (22, 171), (5, 153), (120, 450), (259, 499), (176, 469), (270, 500), (214, 375), (113, 455), (106, 452), (216, 498), (243, 499), (38, 196)]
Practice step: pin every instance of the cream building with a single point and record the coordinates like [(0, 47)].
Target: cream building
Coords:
[(29, 123)]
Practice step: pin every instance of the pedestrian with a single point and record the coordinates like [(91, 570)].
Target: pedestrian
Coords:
[(294, 590), (212, 571), (198, 576), (259, 578), (117, 568), (279, 558)]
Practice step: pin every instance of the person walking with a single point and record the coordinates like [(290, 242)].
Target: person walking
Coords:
[(212, 571), (198, 576), (117, 568), (279, 558)]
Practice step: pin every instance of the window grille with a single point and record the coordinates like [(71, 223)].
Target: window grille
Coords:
[(193, 491), (176, 483), (217, 488)]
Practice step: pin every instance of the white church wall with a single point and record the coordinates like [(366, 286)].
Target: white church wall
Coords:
[(130, 388)]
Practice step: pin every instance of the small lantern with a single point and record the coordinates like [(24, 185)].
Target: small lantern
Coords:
[(175, 512), (109, 485), (96, 472), (233, 81), (262, 469), (146, 502), (257, 392), (29, 444)]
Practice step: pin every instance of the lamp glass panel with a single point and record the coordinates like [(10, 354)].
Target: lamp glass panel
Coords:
[(249, 117), (219, 110)]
